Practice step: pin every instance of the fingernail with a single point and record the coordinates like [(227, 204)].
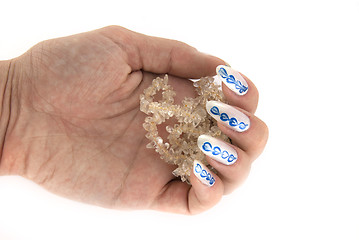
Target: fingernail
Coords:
[(203, 174), (228, 115), (233, 79), (217, 150)]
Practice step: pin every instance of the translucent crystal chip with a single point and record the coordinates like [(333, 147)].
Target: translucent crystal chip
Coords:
[(159, 140), (169, 129), (151, 145), (192, 121)]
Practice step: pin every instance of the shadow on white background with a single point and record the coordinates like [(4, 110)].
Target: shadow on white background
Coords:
[(304, 58)]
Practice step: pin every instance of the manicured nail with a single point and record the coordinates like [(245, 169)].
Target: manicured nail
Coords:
[(233, 79), (217, 149), (228, 115), (203, 174)]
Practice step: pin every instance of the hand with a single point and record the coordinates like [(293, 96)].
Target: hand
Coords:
[(76, 128)]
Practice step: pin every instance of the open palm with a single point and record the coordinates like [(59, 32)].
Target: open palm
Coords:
[(79, 123)]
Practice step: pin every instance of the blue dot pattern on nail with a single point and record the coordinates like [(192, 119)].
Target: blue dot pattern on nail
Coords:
[(204, 174), (231, 79), (217, 151), (233, 122)]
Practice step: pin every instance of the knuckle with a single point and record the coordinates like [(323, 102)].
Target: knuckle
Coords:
[(112, 28), (263, 133), (261, 138)]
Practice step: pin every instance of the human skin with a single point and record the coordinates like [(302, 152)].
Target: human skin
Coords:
[(70, 121)]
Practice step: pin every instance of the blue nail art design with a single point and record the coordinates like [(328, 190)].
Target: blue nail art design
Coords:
[(231, 79), (233, 122), (225, 154), (215, 110), (217, 151), (207, 146), (231, 158), (204, 174), (224, 117)]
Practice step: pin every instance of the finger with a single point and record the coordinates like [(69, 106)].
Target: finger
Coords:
[(207, 189), (251, 141), (179, 197), (238, 90), (159, 55), (245, 130), (232, 163), (250, 145)]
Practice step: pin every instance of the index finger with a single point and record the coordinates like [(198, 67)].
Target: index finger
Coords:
[(160, 55)]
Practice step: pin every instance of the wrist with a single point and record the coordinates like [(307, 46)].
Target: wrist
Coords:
[(6, 86)]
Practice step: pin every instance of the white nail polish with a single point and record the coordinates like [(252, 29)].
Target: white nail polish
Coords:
[(217, 149), (228, 115), (203, 174), (232, 79)]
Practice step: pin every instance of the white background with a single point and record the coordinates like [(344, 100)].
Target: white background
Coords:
[(304, 58)]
